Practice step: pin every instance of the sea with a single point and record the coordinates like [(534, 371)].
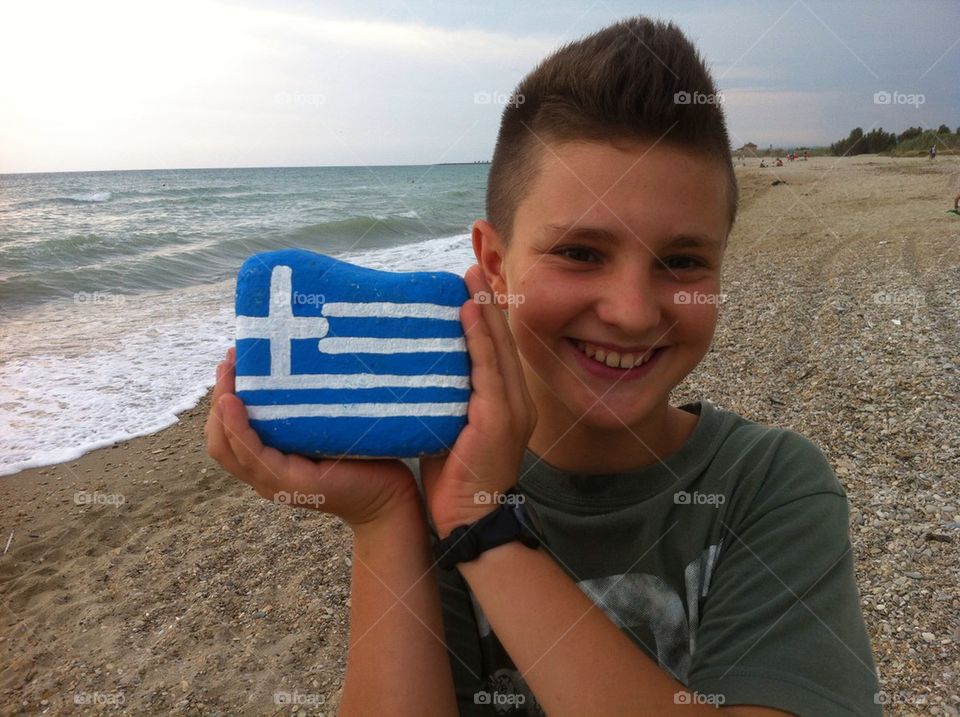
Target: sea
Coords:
[(117, 288)]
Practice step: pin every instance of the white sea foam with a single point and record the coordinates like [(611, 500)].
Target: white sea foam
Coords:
[(79, 376), (91, 197)]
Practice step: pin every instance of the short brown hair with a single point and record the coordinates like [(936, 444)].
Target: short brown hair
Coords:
[(624, 83)]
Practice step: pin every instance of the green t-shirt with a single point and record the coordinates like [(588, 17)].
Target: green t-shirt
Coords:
[(729, 563)]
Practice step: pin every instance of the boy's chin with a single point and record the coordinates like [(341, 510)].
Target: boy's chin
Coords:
[(614, 416)]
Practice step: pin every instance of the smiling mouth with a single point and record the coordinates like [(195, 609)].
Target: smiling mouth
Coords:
[(616, 359)]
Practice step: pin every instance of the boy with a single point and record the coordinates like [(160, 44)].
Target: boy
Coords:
[(688, 558)]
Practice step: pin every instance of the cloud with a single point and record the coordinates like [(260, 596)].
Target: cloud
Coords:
[(780, 117), (419, 39), (111, 84)]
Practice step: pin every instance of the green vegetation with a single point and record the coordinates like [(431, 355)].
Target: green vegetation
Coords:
[(911, 142)]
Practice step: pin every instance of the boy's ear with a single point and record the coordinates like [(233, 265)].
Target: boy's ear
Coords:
[(489, 248)]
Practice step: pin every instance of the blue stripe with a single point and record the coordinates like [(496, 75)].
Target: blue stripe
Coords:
[(386, 327), (385, 437), (316, 275), (305, 357), (281, 397)]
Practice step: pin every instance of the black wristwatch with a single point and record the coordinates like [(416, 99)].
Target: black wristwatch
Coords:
[(508, 521)]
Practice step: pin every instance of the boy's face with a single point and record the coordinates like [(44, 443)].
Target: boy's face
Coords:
[(618, 249)]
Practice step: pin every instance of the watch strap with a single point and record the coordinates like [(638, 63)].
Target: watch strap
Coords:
[(506, 523)]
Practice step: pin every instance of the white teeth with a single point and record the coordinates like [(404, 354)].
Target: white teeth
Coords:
[(614, 359)]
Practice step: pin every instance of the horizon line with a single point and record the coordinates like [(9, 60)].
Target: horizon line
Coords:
[(283, 166)]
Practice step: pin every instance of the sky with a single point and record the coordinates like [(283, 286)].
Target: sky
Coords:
[(137, 84)]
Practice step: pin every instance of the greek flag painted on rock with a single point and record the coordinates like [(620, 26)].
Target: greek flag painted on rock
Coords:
[(335, 359)]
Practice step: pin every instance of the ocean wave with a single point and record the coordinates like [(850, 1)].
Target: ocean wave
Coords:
[(112, 321), (87, 197), (68, 401), (372, 227), (70, 252), (164, 191), (200, 195)]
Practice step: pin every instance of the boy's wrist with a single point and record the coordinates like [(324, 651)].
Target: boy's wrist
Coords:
[(402, 511), (464, 516), (506, 523), (470, 505)]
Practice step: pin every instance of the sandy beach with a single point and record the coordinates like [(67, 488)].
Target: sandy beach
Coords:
[(143, 579)]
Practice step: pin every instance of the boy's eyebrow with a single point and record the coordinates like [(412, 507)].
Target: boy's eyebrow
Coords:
[(681, 241), (693, 241), (559, 231)]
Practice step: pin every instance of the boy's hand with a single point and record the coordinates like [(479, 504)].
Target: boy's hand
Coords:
[(358, 491), (486, 457)]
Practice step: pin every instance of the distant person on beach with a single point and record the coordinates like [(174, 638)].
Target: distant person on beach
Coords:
[(587, 548), (779, 162), (933, 152), (762, 163)]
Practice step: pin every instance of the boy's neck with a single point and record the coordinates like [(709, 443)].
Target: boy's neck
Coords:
[(583, 450)]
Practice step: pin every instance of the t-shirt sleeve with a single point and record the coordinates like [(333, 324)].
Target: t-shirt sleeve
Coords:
[(781, 624), (461, 635), (463, 643)]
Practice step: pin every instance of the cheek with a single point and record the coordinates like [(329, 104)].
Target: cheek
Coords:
[(694, 319), (696, 323), (542, 309)]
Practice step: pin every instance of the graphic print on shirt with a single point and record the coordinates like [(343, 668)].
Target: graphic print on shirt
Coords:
[(630, 600)]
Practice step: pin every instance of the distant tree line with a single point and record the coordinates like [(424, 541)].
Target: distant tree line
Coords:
[(913, 139)]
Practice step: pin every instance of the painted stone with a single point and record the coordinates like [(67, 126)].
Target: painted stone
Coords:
[(335, 359)]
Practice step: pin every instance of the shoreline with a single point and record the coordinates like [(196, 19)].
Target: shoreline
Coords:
[(192, 595), (183, 408), (215, 591)]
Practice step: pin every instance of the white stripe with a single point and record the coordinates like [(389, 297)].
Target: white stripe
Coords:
[(350, 380), (358, 410), (391, 310), (281, 328), (362, 345)]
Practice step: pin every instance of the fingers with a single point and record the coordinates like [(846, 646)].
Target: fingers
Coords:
[(484, 372), (213, 427), (505, 347), (261, 467), (225, 383), (218, 443), (226, 376), (218, 446)]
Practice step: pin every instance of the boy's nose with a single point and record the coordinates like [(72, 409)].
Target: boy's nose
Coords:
[(631, 304)]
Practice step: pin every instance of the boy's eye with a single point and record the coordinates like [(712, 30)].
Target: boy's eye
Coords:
[(577, 253), (683, 262)]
